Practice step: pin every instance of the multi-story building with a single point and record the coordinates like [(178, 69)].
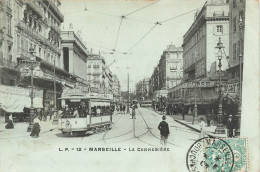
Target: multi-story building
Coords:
[(200, 72), (236, 43), (74, 56), (96, 67), (116, 88), (31, 37), (199, 42), (173, 63), (168, 73), (142, 89)]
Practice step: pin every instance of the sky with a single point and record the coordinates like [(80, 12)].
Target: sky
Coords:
[(103, 30)]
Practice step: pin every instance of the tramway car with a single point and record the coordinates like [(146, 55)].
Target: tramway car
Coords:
[(85, 113), (146, 103)]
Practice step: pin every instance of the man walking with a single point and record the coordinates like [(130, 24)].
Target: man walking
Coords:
[(230, 126), (164, 131)]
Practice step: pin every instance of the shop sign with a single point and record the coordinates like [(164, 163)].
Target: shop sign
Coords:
[(199, 84), (231, 88), (19, 91)]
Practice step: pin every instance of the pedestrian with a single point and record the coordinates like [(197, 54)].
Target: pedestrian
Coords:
[(230, 127), (183, 113), (189, 112), (36, 128), (208, 118), (10, 124), (124, 109), (203, 132), (98, 111), (133, 112), (164, 131)]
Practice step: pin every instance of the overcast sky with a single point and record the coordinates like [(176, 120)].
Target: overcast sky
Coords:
[(99, 29)]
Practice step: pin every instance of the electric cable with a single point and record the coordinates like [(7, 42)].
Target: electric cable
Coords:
[(141, 8)]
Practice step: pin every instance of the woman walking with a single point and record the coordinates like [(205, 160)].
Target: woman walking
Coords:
[(203, 132)]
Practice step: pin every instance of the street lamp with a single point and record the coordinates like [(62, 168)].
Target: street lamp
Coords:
[(220, 129), (32, 60), (238, 116)]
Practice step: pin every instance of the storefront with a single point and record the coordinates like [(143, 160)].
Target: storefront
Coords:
[(17, 101)]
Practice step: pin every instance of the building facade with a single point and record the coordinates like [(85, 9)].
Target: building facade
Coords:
[(142, 89), (236, 43), (200, 61), (74, 56), (30, 41), (199, 42), (116, 88)]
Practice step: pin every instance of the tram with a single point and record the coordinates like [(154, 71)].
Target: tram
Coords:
[(85, 113)]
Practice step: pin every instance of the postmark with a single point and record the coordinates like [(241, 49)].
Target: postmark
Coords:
[(210, 154)]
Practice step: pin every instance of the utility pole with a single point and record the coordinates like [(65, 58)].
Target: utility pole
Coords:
[(55, 117), (128, 93)]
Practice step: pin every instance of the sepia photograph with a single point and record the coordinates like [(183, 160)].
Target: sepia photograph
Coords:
[(129, 85)]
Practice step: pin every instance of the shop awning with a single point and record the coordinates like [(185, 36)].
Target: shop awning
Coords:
[(232, 96), (15, 103)]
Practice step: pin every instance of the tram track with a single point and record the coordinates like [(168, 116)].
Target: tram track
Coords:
[(152, 132)]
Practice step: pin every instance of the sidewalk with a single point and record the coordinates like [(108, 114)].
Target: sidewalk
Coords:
[(20, 129), (188, 123)]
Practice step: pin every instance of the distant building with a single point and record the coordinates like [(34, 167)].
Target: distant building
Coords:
[(142, 89), (173, 65), (116, 88), (96, 67)]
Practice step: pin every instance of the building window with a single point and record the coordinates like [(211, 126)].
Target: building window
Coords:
[(8, 3), (234, 3), (235, 24), (219, 29), (234, 51), (18, 44), (9, 26)]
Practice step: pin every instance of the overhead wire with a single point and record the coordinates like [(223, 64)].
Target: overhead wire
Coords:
[(141, 8), (118, 31), (142, 37), (179, 15)]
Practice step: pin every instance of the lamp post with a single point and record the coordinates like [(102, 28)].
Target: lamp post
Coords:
[(220, 129), (238, 116), (32, 52)]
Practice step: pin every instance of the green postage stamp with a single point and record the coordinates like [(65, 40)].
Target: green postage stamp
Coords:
[(215, 154)]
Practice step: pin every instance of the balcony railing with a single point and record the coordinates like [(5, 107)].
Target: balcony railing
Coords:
[(54, 27), (30, 31), (96, 73), (7, 63), (37, 9), (55, 9)]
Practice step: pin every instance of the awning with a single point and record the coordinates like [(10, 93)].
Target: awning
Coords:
[(231, 96), (13, 103)]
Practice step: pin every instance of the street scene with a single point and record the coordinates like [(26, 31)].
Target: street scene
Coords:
[(139, 135), (127, 76)]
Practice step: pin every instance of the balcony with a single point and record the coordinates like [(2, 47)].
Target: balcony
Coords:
[(96, 66), (218, 14), (36, 35), (34, 7), (96, 73), (54, 27), (55, 10), (6, 63)]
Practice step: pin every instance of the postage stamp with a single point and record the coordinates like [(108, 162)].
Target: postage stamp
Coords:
[(215, 154)]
